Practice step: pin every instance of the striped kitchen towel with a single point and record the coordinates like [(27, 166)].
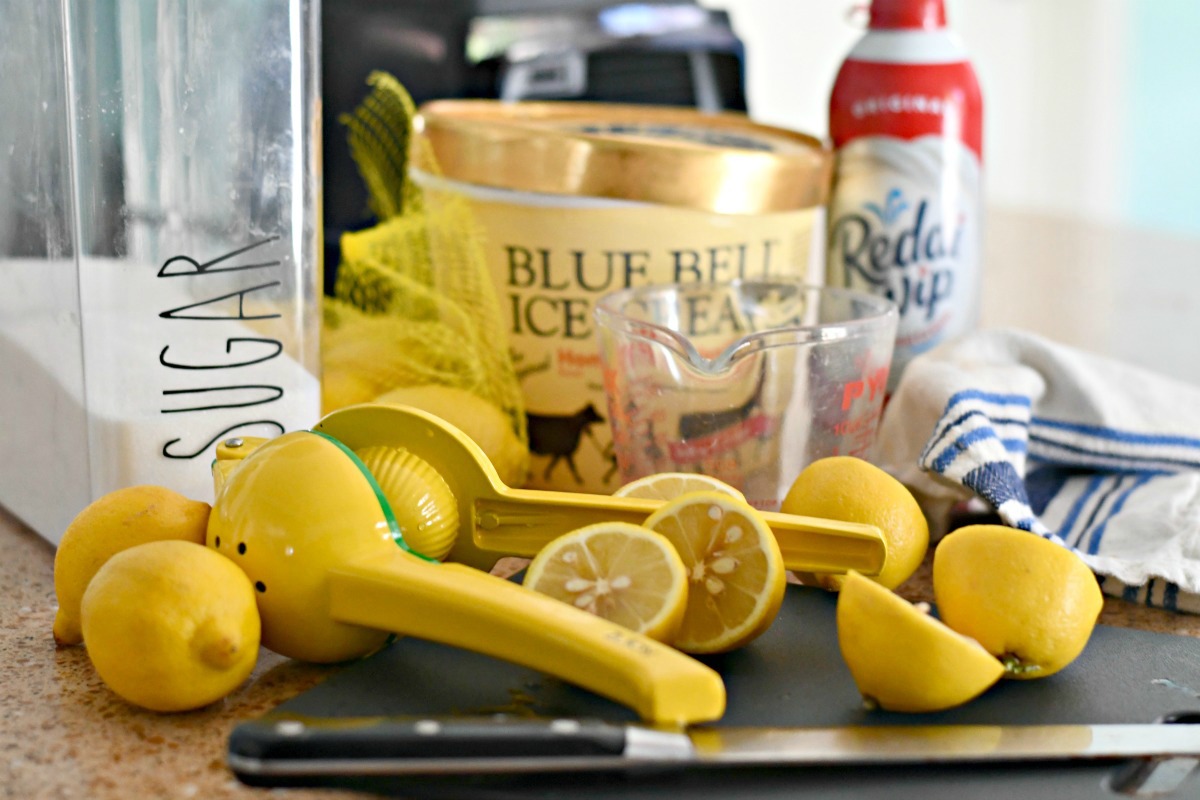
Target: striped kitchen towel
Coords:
[(1096, 454)]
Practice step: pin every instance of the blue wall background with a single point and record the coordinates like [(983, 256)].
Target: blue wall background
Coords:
[(1163, 120)]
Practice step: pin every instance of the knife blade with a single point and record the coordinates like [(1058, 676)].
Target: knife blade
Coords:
[(305, 747)]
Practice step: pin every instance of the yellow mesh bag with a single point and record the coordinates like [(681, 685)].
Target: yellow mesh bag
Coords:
[(413, 304)]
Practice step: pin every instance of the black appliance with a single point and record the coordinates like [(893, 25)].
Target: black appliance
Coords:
[(662, 52)]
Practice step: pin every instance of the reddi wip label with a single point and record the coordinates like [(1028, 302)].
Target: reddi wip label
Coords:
[(905, 216), (891, 233)]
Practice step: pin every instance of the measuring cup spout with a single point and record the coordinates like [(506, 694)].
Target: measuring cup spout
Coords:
[(712, 327)]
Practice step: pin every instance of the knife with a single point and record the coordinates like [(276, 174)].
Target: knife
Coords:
[(296, 747)]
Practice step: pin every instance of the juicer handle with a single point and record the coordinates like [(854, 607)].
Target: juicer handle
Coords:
[(463, 607), (813, 544), (520, 522)]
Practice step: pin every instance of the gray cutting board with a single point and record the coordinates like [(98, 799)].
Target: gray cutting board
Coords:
[(792, 675)]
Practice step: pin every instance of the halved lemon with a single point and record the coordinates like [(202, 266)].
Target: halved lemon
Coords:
[(669, 485), (850, 489), (1030, 602), (624, 573), (901, 658), (736, 577)]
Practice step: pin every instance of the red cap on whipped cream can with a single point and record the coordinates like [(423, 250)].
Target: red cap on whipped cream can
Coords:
[(905, 215)]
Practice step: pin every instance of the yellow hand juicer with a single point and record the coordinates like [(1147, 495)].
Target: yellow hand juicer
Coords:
[(497, 520), (310, 525)]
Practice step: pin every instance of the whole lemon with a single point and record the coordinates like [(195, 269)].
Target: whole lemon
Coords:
[(115, 522), (849, 489), (171, 626), (485, 422), (1032, 603)]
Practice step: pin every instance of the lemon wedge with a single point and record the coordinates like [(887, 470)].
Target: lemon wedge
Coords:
[(621, 572), (901, 658), (736, 577), (669, 485)]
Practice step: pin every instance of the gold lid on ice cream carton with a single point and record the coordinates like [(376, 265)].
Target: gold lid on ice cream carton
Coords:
[(715, 162)]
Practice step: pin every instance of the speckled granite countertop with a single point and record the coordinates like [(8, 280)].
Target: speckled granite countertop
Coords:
[(63, 734)]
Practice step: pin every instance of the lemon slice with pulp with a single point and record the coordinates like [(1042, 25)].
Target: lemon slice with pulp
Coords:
[(901, 658), (669, 485), (736, 577), (621, 572)]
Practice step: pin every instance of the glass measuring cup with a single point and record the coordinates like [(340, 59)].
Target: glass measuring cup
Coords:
[(747, 381)]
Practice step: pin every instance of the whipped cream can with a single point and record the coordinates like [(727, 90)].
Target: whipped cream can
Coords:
[(905, 217)]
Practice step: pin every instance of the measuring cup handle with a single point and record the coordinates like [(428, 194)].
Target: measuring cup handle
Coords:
[(463, 607)]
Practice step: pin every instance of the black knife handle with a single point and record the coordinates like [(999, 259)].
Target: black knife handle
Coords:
[(294, 739)]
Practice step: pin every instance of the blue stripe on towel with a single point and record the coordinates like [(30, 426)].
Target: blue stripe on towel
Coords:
[(975, 412), (1044, 483), (961, 445), (1170, 596), (1119, 459), (1068, 523), (1098, 534), (988, 421), (1118, 435), (1096, 521)]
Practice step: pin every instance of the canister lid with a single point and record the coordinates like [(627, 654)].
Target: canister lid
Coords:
[(718, 162)]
